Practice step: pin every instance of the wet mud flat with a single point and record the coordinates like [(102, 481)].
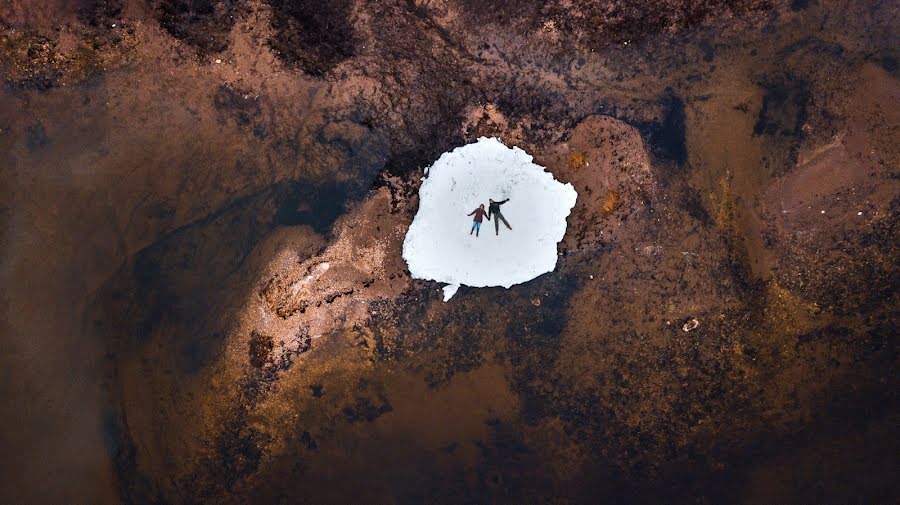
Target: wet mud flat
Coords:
[(204, 299)]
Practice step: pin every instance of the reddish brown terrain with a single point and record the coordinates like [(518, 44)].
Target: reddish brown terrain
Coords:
[(204, 301)]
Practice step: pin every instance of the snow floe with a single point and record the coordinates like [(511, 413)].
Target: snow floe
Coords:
[(438, 245)]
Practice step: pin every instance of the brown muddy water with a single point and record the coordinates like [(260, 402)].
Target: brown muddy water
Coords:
[(203, 204)]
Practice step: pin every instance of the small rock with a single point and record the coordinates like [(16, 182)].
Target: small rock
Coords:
[(691, 324), (536, 301)]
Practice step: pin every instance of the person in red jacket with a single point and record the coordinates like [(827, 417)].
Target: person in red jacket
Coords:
[(479, 213)]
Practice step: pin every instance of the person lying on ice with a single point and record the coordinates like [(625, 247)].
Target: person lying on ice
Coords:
[(494, 210), (476, 223)]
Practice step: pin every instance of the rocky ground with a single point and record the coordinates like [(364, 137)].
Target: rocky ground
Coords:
[(203, 205)]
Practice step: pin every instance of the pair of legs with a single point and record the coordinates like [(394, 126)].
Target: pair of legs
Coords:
[(476, 227), (497, 218)]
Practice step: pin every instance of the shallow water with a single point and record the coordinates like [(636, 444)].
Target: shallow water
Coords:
[(173, 184)]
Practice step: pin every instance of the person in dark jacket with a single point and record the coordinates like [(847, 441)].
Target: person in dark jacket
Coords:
[(479, 213), (494, 210)]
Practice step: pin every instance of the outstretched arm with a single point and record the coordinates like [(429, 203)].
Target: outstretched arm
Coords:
[(501, 203), (470, 213)]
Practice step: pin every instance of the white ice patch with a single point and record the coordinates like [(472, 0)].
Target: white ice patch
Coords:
[(438, 245)]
